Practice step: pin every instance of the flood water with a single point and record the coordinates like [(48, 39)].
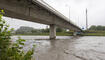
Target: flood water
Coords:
[(66, 47)]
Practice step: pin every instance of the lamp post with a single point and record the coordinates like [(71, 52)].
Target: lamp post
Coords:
[(86, 20), (78, 20), (69, 10)]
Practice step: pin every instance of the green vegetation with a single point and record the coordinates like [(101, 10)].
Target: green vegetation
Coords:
[(23, 30), (97, 28), (95, 31), (31, 31), (46, 34), (94, 34), (64, 34), (8, 50)]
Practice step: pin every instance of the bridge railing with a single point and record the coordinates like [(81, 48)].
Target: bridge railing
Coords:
[(51, 9)]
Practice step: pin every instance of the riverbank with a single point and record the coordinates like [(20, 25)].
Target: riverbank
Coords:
[(85, 33), (94, 33), (46, 34)]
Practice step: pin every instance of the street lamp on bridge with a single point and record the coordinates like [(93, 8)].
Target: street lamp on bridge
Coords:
[(86, 19), (69, 10)]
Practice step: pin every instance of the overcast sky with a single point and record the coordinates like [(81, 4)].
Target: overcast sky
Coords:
[(96, 13)]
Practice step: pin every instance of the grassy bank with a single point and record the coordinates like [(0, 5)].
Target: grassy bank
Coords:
[(86, 33), (46, 34), (94, 33)]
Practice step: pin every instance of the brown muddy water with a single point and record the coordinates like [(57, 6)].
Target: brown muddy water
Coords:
[(66, 47)]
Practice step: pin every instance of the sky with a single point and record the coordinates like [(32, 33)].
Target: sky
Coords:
[(96, 13)]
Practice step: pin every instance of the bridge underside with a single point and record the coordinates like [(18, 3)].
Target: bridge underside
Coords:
[(31, 11)]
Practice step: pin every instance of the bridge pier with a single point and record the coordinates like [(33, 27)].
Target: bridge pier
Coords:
[(75, 34), (52, 31)]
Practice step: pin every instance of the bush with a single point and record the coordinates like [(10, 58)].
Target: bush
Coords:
[(10, 51)]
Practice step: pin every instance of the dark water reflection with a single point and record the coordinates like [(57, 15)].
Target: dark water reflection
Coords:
[(66, 47)]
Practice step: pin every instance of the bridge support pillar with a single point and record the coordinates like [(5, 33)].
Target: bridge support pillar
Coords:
[(75, 34), (52, 31)]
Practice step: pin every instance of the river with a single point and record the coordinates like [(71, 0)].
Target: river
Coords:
[(66, 47)]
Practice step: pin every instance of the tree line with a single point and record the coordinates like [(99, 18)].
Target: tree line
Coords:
[(97, 28), (25, 30), (31, 30)]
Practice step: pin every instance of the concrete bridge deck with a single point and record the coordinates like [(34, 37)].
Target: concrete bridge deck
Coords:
[(37, 11)]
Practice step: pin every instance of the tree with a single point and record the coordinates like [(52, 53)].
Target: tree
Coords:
[(93, 27), (25, 30), (10, 51), (45, 30), (59, 29), (98, 28)]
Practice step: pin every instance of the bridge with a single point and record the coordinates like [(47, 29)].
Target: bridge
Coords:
[(37, 11)]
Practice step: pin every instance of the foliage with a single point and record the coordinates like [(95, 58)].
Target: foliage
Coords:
[(45, 30), (25, 30), (4, 36), (59, 29), (94, 34), (9, 51), (93, 27), (97, 28)]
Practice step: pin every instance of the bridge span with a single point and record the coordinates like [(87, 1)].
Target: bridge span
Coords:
[(37, 11)]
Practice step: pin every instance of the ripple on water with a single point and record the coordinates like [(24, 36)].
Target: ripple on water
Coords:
[(67, 48)]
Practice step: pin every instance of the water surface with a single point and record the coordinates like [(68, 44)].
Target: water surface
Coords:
[(66, 47)]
